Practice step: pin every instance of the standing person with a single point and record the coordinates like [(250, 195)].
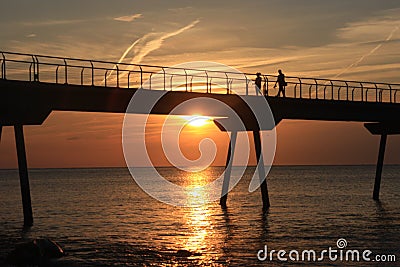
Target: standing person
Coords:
[(282, 83), (258, 81)]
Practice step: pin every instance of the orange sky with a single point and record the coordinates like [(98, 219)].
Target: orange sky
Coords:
[(330, 39), (55, 144)]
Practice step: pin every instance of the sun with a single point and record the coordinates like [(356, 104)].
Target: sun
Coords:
[(197, 120)]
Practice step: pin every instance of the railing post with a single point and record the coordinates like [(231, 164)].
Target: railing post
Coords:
[(316, 88), (3, 67), (66, 71), (227, 83), (207, 80), (390, 92), (37, 69), (256, 89), (58, 66), (347, 91), (105, 78), (83, 69), (117, 67), (91, 64), (301, 90), (164, 77), (266, 86), (332, 90), (30, 72), (34, 68), (247, 86), (186, 80), (129, 79), (377, 93), (362, 92), (141, 77)]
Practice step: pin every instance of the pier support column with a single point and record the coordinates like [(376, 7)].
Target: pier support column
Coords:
[(228, 169), (379, 166), (23, 175), (261, 170)]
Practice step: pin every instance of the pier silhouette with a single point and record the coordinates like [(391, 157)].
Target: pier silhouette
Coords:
[(32, 86)]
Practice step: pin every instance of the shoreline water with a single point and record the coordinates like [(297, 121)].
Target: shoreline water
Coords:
[(102, 218)]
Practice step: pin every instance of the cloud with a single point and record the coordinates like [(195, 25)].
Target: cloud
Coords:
[(129, 18), (373, 28), (32, 35), (374, 33), (149, 43), (153, 41), (52, 22), (369, 53), (181, 9)]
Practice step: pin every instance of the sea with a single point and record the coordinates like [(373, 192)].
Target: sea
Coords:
[(101, 217)]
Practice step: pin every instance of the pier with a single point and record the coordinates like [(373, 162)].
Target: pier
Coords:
[(33, 86)]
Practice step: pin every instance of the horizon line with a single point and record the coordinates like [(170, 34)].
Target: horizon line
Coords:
[(216, 166)]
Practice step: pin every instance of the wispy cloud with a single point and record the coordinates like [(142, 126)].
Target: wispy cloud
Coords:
[(32, 35), (153, 41), (149, 43), (181, 9), (376, 48), (52, 22), (129, 18)]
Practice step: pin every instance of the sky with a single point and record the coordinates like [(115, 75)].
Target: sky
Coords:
[(357, 40)]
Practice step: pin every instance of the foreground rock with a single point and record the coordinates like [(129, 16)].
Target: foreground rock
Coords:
[(36, 252)]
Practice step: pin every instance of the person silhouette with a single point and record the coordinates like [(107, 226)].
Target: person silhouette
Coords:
[(258, 81), (282, 84)]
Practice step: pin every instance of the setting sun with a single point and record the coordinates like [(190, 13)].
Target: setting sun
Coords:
[(197, 120)]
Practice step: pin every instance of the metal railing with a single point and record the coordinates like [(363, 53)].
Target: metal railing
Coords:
[(325, 89), (59, 70)]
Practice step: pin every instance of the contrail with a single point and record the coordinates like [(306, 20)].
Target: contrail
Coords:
[(145, 45), (128, 50), (390, 36), (155, 44), (124, 55)]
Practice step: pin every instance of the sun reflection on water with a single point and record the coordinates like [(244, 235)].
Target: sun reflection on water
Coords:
[(198, 217)]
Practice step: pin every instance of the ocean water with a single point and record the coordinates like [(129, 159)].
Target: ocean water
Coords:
[(102, 218)]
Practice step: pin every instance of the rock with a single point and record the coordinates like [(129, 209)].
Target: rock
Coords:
[(24, 254), (35, 252), (49, 249)]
